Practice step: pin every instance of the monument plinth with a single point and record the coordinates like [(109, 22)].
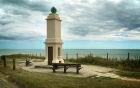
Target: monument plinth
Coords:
[(53, 42)]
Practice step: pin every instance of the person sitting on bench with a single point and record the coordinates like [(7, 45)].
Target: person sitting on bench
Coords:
[(28, 61)]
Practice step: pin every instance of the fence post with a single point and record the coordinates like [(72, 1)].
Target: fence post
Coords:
[(32, 55), (66, 56), (5, 62), (40, 55), (14, 65), (107, 56), (36, 55), (90, 54), (128, 56), (77, 55)]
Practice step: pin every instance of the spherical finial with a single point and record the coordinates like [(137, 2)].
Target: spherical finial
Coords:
[(53, 10)]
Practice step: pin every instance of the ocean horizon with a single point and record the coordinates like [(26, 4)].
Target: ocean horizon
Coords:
[(112, 53)]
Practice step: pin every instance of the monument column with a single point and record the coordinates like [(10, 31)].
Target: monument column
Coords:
[(53, 42)]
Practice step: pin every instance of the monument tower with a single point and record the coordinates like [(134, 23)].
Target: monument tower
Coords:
[(53, 42)]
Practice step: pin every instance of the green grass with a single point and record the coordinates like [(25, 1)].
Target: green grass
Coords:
[(25, 79), (129, 74), (42, 80)]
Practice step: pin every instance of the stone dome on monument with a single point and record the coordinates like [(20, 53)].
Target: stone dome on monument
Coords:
[(53, 10)]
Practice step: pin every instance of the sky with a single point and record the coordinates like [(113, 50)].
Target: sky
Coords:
[(86, 24)]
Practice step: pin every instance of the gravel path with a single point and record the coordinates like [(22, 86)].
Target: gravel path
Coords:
[(86, 71)]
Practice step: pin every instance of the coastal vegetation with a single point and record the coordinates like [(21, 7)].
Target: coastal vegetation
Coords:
[(128, 67), (124, 64), (25, 56)]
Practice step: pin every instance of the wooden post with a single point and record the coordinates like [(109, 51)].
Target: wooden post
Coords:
[(54, 68), (40, 55), (66, 56), (65, 69), (32, 55), (77, 55), (4, 62), (14, 65), (90, 54), (77, 69), (107, 56), (128, 56)]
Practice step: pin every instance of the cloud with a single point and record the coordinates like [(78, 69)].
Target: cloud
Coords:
[(81, 20), (20, 35), (103, 17), (22, 20), (20, 12), (5, 22), (34, 5)]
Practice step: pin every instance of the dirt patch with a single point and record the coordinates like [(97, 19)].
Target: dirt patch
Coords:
[(86, 71)]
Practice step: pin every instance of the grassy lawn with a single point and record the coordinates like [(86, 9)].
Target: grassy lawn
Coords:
[(129, 74), (25, 79)]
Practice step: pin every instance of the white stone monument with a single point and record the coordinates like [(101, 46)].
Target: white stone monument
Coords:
[(53, 43)]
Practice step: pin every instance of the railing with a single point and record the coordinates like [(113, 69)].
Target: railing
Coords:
[(28, 55), (107, 55), (78, 55)]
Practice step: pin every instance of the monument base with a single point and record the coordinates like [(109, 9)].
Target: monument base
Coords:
[(46, 62), (40, 63), (58, 61), (54, 61)]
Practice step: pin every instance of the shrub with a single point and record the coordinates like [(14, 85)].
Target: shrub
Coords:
[(124, 64)]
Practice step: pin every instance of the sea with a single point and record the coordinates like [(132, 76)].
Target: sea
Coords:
[(72, 53)]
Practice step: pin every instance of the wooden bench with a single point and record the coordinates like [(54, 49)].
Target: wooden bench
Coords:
[(28, 61), (66, 66)]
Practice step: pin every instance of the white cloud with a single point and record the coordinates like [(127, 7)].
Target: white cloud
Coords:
[(81, 20)]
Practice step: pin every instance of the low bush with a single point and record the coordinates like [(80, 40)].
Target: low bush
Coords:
[(123, 64)]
